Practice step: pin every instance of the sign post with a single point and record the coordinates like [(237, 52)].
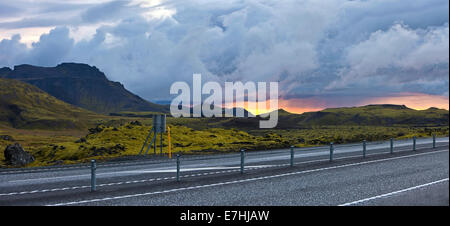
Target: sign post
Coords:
[(292, 156), (364, 148), (93, 178), (331, 151), (168, 139), (392, 145), (178, 167), (159, 126), (434, 140), (242, 160)]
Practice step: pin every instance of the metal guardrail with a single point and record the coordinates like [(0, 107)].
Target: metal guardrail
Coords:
[(291, 161), (140, 161)]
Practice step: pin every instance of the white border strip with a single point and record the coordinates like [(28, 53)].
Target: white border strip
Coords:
[(393, 193)]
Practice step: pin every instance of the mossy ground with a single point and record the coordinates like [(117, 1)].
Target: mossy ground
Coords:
[(118, 138)]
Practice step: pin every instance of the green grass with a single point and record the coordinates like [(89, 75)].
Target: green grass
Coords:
[(26, 106)]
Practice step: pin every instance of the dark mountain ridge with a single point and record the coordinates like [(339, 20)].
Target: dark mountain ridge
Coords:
[(83, 86)]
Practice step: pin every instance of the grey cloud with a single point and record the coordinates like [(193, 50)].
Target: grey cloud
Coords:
[(397, 57), (12, 51), (37, 22), (51, 48), (58, 7), (333, 49), (45, 14), (7, 10), (109, 11)]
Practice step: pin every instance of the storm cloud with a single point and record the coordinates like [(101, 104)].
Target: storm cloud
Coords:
[(325, 49)]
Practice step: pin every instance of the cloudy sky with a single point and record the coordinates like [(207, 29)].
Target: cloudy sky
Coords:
[(324, 53)]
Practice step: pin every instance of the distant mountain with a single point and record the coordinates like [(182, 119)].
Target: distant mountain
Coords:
[(246, 113), (234, 110), (25, 106), (383, 114), (370, 115), (82, 85)]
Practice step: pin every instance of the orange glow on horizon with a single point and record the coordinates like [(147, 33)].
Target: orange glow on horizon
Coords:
[(418, 101)]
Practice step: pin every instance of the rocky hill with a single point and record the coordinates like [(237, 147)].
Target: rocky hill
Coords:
[(83, 86)]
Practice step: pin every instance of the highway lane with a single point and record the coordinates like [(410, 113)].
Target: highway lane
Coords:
[(31, 188)]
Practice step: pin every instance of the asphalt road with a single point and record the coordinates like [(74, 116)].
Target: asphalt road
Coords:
[(405, 177)]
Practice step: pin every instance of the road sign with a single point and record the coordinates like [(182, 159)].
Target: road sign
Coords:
[(159, 123)]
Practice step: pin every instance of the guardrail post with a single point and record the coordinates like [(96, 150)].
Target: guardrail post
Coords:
[(242, 161), (364, 148), (392, 145), (93, 178), (414, 143), (434, 140), (178, 167), (292, 156), (331, 151)]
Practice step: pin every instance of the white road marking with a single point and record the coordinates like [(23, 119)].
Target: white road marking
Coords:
[(129, 182), (198, 169), (393, 193), (241, 181), (138, 172)]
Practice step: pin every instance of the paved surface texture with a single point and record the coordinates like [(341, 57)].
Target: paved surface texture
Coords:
[(405, 177)]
